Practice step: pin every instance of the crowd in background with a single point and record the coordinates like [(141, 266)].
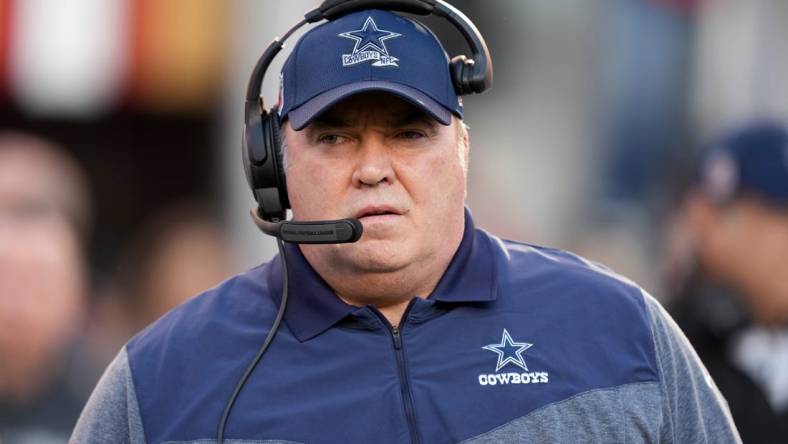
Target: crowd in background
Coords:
[(649, 135), (58, 325)]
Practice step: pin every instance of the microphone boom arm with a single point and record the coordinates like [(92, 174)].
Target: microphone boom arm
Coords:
[(318, 232)]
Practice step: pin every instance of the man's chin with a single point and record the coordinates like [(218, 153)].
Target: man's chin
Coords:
[(372, 256), (373, 266)]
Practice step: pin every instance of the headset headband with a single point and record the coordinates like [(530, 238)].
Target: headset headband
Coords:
[(475, 80)]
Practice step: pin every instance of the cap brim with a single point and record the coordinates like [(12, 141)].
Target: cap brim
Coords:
[(301, 117)]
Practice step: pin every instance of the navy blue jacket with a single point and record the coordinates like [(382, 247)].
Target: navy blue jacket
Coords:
[(517, 343)]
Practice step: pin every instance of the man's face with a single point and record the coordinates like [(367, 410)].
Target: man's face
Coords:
[(746, 245), (41, 286), (381, 160)]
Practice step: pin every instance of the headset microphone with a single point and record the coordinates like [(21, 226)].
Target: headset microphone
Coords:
[(315, 232)]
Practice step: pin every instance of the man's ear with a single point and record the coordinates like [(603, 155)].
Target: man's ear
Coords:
[(465, 143)]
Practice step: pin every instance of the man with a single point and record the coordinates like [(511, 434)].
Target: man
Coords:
[(426, 330), (734, 306), (44, 218)]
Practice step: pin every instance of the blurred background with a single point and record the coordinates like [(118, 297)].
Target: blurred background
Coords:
[(121, 184)]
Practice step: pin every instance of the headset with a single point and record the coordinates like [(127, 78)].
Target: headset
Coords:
[(261, 142)]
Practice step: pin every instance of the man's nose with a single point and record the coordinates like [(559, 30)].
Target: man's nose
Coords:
[(374, 163)]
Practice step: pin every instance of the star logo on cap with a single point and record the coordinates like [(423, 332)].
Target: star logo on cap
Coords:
[(509, 351), (369, 45)]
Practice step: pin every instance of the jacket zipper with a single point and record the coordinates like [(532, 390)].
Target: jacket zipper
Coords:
[(407, 397)]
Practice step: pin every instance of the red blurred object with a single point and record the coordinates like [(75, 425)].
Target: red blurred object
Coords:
[(6, 11)]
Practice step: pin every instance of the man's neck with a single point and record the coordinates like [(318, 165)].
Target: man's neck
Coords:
[(389, 292)]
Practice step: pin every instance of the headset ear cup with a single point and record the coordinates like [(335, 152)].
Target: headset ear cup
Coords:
[(275, 128), (253, 150), (263, 166)]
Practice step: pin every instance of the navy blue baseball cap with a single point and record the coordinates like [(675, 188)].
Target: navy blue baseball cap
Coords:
[(371, 50), (751, 160)]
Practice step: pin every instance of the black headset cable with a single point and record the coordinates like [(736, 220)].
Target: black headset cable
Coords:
[(268, 339)]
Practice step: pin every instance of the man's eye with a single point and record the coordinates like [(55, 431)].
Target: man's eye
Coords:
[(332, 139), (410, 135)]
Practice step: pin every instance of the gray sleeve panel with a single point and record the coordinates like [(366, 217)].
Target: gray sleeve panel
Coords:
[(613, 415), (692, 406), (111, 414)]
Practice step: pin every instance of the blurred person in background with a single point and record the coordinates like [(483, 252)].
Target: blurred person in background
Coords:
[(733, 298), (177, 253), (45, 213)]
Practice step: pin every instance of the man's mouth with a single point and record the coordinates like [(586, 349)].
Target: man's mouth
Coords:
[(377, 212)]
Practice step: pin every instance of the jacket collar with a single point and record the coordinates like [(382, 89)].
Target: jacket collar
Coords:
[(313, 307)]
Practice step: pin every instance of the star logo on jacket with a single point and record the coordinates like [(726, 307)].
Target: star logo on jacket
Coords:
[(370, 45), (511, 352)]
